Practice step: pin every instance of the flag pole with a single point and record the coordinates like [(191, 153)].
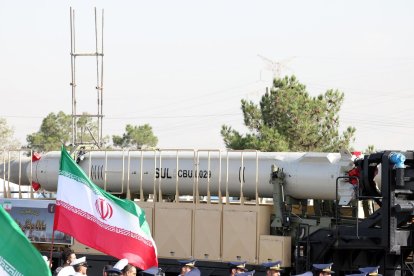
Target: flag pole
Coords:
[(53, 232), (51, 249)]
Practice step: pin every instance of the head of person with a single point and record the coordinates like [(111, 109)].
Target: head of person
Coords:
[(307, 273), (105, 269), (273, 268), (113, 272), (246, 273), (151, 271), (68, 256), (371, 271), (129, 270), (186, 266), (117, 269), (323, 269), (193, 272), (80, 265), (237, 267), (46, 259)]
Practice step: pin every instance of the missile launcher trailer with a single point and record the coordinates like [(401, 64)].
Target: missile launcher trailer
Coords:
[(217, 207)]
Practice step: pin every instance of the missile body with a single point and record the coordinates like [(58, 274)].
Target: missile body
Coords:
[(307, 175)]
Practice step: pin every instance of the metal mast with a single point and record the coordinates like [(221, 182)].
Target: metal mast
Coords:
[(96, 131)]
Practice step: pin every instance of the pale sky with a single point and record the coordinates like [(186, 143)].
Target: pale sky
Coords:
[(184, 66)]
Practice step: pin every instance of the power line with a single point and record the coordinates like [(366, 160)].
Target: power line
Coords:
[(347, 58), (173, 117), (138, 117), (179, 102)]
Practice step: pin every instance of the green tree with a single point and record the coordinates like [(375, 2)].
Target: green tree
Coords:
[(87, 129), (370, 149), (289, 119), (56, 129), (136, 137), (7, 140)]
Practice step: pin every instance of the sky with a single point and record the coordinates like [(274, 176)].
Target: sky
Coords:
[(184, 66)]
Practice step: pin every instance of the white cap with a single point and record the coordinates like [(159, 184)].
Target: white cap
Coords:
[(67, 271), (78, 261), (45, 258), (121, 264)]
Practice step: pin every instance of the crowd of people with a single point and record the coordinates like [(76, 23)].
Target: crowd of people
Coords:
[(189, 268), (73, 266), (275, 269)]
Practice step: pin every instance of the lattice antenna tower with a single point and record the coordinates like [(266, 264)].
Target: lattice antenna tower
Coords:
[(98, 54), (276, 66)]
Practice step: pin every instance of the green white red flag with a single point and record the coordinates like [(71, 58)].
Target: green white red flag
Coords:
[(18, 257), (114, 226)]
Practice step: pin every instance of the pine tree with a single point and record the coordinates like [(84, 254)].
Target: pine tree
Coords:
[(289, 119)]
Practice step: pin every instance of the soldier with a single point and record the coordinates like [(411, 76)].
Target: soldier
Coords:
[(67, 271), (370, 270), (156, 271), (187, 266), (113, 272), (193, 272), (80, 266), (237, 268), (129, 270), (67, 256), (105, 270), (117, 268), (323, 269), (246, 273), (307, 273), (273, 268), (47, 261)]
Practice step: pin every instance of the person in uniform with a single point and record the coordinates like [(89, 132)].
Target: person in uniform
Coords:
[(187, 266), (371, 271), (193, 272), (80, 266), (246, 273), (67, 256), (105, 269), (67, 271), (323, 269), (156, 271), (113, 272), (237, 268), (273, 268), (129, 270), (117, 268), (46, 259), (307, 273)]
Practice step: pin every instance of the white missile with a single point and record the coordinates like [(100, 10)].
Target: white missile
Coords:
[(239, 173)]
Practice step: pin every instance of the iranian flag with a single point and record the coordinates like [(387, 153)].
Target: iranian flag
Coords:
[(114, 226), (18, 256)]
